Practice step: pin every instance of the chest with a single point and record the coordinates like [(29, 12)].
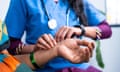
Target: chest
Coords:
[(39, 14)]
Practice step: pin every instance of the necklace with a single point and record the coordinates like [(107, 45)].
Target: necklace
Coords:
[(52, 23)]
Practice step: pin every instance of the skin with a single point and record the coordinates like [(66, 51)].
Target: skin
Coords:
[(73, 44), (68, 32), (47, 42), (44, 42), (69, 49), (62, 34)]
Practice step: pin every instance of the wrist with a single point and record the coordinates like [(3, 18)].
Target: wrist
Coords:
[(20, 48), (82, 30), (98, 33), (55, 51), (33, 61)]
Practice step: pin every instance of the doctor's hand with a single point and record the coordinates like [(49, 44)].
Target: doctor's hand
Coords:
[(67, 32), (45, 42), (71, 50)]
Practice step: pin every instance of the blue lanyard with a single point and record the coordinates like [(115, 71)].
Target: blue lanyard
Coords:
[(67, 13)]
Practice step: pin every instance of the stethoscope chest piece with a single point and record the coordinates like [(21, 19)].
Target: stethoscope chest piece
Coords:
[(52, 24)]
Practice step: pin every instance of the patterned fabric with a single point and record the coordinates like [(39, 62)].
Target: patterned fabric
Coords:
[(7, 62), (3, 36), (10, 64), (2, 56)]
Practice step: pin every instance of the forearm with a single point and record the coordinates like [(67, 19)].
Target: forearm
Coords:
[(14, 45), (90, 32), (104, 28), (41, 57), (44, 56), (27, 49)]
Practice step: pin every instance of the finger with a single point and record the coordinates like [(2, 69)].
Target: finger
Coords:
[(70, 33), (87, 55), (91, 47), (48, 40), (64, 33), (84, 55), (44, 43), (53, 43), (58, 34), (91, 51), (93, 44), (41, 47)]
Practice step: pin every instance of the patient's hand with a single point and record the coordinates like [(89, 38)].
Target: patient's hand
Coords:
[(71, 50)]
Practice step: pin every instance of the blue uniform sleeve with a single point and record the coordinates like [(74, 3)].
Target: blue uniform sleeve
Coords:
[(94, 15), (15, 18)]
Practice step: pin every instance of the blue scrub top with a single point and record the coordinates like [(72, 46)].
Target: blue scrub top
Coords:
[(30, 16)]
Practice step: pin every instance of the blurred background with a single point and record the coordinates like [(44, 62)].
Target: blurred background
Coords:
[(110, 48)]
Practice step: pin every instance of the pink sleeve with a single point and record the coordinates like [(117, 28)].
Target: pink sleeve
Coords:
[(106, 30), (13, 45)]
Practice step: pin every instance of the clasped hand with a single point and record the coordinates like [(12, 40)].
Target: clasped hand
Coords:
[(70, 49)]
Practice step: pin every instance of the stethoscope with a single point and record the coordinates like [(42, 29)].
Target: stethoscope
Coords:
[(52, 23)]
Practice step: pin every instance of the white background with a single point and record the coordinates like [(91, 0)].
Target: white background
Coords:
[(3, 8)]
